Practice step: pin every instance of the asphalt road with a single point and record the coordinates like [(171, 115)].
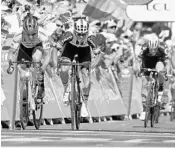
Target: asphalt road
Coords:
[(130, 133)]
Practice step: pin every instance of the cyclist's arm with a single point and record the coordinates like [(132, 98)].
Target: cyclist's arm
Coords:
[(14, 46), (163, 57), (46, 48), (91, 41), (66, 37)]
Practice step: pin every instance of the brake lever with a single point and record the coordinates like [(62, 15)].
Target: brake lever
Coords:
[(10, 68)]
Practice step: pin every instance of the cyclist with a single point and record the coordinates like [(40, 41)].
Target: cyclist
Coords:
[(71, 43), (153, 56), (30, 44)]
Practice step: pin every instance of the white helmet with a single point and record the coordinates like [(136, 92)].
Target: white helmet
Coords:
[(81, 26), (153, 41)]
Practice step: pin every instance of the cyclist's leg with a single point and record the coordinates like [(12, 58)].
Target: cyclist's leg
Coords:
[(37, 55), (161, 88), (85, 56), (144, 90), (67, 56), (172, 58), (64, 73), (54, 57)]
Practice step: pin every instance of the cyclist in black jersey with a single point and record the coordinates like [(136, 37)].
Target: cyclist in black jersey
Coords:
[(78, 41), (153, 56)]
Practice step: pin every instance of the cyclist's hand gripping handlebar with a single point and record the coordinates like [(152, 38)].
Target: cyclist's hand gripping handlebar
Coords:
[(10, 68)]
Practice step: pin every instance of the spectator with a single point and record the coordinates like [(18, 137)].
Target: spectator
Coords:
[(163, 31), (111, 27)]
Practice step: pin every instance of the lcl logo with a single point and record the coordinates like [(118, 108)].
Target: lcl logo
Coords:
[(158, 7)]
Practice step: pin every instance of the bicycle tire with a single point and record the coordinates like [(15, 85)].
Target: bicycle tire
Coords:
[(77, 117), (157, 114), (152, 116), (38, 112), (72, 104), (78, 103), (24, 109), (147, 113), (172, 115), (146, 119), (38, 121)]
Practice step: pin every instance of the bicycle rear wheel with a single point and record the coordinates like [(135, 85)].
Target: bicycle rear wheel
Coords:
[(24, 108), (38, 112), (172, 115)]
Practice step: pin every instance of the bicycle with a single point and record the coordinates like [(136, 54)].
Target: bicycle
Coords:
[(152, 105), (172, 111), (29, 103), (76, 95)]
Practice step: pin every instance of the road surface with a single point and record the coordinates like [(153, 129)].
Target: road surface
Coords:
[(128, 133)]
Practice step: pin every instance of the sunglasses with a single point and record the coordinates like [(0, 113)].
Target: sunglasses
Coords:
[(126, 37), (58, 25), (137, 29), (81, 34), (113, 27)]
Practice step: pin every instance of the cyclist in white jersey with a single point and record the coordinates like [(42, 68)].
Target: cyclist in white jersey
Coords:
[(30, 44)]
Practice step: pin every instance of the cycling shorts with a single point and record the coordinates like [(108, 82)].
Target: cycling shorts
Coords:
[(84, 53), (26, 53)]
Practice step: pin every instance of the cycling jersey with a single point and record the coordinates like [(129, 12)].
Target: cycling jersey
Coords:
[(72, 39), (23, 38), (150, 61)]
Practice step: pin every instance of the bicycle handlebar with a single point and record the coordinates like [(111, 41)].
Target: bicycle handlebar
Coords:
[(74, 63), (164, 72), (149, 69), (28, 63)]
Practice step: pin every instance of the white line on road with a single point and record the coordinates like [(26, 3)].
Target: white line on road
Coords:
[(156, 135), (135, 140), (86, 139), (169, 141), (25, 140)]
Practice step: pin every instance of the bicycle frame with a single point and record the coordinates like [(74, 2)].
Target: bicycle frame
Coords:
[(76, 92), (172, 115), (152, 98), (27, 101)]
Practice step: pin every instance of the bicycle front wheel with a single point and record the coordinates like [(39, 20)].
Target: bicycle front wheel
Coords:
[(24, 108), (172, 115), (157, 110), (147, 112), (153, 115), (37, 115), (77, 118), (147, 116), (73, 103), (38, 112)]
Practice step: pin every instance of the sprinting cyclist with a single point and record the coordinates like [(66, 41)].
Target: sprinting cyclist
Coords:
[(71, 43), (30, 44)]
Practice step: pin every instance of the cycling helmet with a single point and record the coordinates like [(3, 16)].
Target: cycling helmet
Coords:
[(81, 26), (27, 7), (30, 25), (153, 42)]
